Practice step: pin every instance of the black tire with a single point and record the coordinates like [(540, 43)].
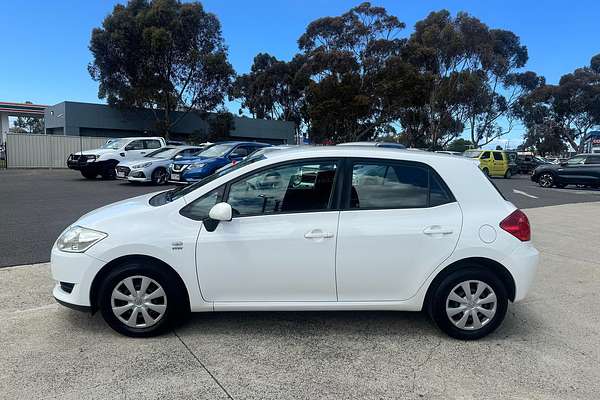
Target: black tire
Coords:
[(546, 180), (176, 303), (439, 298), (159, 176), (89, 174), (109, 172), (486, 172), (507, 174)]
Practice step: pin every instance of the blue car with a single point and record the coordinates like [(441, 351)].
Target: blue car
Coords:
[(193, 169)]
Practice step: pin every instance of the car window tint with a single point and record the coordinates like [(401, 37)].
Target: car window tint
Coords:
[(240, 151), (576, 160), (136, 145), (289, 188), (593, 160), (498, 156), (199, 208), (438, 195), (485, 155), (152, 144), (389, 186)]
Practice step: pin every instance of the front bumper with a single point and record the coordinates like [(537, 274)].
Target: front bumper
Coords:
[(78, 269)]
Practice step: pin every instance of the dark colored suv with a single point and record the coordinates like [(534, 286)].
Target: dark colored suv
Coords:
[(582, 169)]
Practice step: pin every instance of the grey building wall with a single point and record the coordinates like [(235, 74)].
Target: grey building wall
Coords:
[(88, 119)]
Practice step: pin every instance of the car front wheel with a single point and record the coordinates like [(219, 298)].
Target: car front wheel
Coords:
[(546, 180), (139, 300), (469, 304), (159, 176)]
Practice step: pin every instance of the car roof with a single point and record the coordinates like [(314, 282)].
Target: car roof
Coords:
[(232, 142), (361, 151)]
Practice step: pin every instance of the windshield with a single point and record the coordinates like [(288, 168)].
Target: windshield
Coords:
[(472, 153), (164, 152), (174, 194), (218, 150), (113, 144)]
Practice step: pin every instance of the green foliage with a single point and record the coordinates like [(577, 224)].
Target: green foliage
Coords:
[(161, 54), (460, 145), (28, 125), (566, 111)]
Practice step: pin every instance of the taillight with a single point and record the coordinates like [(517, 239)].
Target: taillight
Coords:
[(517, 225)]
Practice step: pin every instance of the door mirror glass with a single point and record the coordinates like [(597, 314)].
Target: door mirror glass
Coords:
[(220, 212)]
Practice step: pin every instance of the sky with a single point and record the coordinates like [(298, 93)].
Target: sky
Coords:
[(44, 54)]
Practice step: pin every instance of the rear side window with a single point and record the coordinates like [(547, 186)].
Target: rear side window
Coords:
[(152, 144), (498, 156), (384, 185)]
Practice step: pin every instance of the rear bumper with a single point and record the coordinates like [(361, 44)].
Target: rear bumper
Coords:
[(522, 263)]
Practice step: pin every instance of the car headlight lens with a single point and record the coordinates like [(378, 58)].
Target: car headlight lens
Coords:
[(77, 239), (197, 165), (144, 165)]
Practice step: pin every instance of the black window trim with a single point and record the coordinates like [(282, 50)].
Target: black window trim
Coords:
[(347, 183), (184, 210), (333, 198)]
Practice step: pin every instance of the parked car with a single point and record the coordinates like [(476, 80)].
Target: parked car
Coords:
[(491, 162), (103, 161), (582, 169), (328, 228), (154, 167), (528, 163), (390, 145), (193, 169)]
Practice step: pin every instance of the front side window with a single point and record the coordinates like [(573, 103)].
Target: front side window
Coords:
[(295, 187), (576, 160), (198, 209), (384, 185), (135, 145), (485, 155), (593, 160)]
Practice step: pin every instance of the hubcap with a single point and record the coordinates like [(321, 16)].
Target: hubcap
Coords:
[(546, 180), (138, 301), (471, 305), (162, 177)]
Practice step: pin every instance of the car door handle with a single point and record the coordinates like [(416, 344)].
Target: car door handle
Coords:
[(142, 152), (318, 234), (437, 230)]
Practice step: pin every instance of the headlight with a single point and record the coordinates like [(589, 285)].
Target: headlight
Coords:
[(171, 166), (144, 165), (77, 239), (197, 165)]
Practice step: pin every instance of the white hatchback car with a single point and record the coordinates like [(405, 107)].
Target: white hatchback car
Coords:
[(331, 228)]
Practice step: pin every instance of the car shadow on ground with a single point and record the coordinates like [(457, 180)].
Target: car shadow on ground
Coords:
[(520, 322)]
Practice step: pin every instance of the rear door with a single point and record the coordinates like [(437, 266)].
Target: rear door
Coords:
[(398, 224), (575, 171), (499, 163)]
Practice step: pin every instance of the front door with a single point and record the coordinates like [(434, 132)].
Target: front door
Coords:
[(400, 224), (575, 171), (280, 244), (135, 150)]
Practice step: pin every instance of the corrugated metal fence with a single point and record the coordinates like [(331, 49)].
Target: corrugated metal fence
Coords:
[(45, 151)]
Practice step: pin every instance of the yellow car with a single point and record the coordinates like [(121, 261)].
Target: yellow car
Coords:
[(491, 162)]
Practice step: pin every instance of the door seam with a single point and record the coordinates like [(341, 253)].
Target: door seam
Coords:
[(337, 231)]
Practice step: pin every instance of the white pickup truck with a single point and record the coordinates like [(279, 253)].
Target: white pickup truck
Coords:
[(103, 161)]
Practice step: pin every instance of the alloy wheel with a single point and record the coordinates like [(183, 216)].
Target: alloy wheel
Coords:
[(546, 180), (138, 301), (471, 305), (161, 177)]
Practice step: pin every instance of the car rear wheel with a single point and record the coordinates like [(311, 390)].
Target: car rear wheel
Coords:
[(507, 174), (546, 180), (469, 304), (140, 300), (159, 176)]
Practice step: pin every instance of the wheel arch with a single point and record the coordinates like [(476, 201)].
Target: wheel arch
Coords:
[(478, 262), (117, 262)]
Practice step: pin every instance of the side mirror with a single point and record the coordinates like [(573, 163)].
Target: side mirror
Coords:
[(219, 212)]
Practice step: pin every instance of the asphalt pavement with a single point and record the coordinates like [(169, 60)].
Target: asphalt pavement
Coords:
[(36, 205), (547, 348)]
